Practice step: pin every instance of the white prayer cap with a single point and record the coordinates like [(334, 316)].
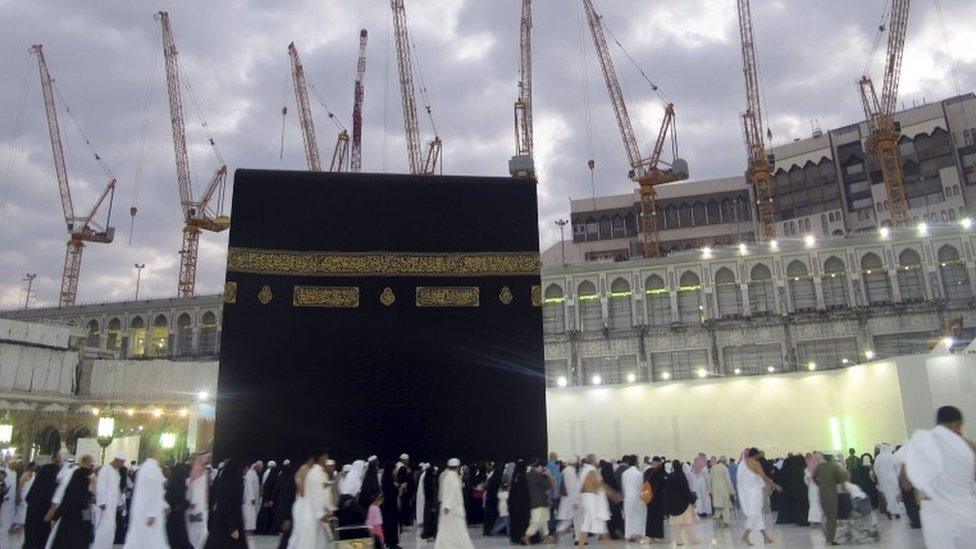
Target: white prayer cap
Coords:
[(119, 456), (330, 462), (286, 462), (454, 462), (404, 457), (372, 458), (272, 463), (346, 468)]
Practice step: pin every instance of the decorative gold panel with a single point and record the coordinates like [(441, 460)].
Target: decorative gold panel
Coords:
[(296, 263), (337, 297), (452, 296), (265, 296), (230, 292), (505, 296), (387, 297), (537, 295)]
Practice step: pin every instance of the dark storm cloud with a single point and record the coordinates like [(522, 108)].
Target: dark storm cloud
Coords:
[(102, 55)]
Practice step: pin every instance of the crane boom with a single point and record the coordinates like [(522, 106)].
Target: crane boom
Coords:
[(880, 114), (523, 108), (356, 162), (759, 173), (418, 163), (80, 229), (198, 214), (304, 111)]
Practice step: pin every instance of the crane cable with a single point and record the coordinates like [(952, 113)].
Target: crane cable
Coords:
[(423, 86), (328, 111), (194, 101), (143, 138), (945, 40), (587, 110), (882, 26), (98, 158), (284, 111), (15, 148)]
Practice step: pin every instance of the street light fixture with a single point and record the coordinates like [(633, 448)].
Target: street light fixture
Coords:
[(139, 268), (106, 433), (562, 238)]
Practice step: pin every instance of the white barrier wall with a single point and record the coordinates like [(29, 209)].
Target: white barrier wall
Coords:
[(831, 410), (160, 379), (36, 358)]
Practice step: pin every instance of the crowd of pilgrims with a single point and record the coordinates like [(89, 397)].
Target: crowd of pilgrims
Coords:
[(193, 505)]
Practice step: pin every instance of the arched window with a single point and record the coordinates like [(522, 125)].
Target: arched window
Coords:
[(801, 287), (554, 310), (591, 311), (712, 210), (620, 311), (877, 285), (689, 298), (184, 335), (727, 293), (910, 281), (699, 209), (137, 341), (94, 339), (955, 279), (762, 293), (834, 284), (208, 334), (113, 335), (160, 336), (658, 301), (671, 216), (824, 228), (684, 211)]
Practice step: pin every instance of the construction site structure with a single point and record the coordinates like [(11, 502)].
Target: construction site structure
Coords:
[(304, 111), (356, 161), (880, 113), (759, 172), (81, 229), (201, 214), (419, 165), (522, 164), (648, 171)]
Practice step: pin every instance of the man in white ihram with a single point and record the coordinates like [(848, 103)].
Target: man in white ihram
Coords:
[(108, 497), (452, 528), (147, 514), (941, 464)]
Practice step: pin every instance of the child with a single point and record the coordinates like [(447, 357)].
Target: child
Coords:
[(374, 520), (501, 524)]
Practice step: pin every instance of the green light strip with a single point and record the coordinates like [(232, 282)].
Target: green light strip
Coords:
[(553, 300), (588, 297), (656, 291), (620, 294)]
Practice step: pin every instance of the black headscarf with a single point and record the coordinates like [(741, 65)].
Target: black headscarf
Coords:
[(176, 498), (228, 514), (371, 485), (283, 496), (519, 507), (677, 492)]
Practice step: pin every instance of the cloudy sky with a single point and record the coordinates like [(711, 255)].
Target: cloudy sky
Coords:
[(106, 55)]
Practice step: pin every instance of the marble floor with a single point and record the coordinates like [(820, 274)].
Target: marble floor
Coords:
[(894, 535)]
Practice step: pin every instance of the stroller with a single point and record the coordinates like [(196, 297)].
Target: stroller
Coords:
[(857, 522)]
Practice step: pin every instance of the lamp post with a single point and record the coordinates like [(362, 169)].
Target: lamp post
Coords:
[(167, 440), (139, 267), (562, 239), (106, 433), (29, 279)]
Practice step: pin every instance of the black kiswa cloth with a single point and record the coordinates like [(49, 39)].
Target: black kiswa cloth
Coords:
[(381, 314)]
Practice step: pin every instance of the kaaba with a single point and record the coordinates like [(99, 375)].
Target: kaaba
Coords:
[(376, 314)]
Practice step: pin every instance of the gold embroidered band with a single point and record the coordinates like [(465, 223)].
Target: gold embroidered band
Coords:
[(340, 297), (296, 263), (453, 296)]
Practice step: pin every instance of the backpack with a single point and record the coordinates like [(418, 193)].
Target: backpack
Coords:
[(647, 494)]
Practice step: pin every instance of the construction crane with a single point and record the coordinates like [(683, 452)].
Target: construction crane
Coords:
[(648, 171), (418, 164), (759, 173), (522, 164), (304, 111), (880, 113), (199, 215), (356, 162), (81, 229)]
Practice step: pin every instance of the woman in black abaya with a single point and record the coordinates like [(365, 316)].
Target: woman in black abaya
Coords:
[(227, 518), (519, 507), (176, 498), (73, 531), (431, 505), (616, 500), (389, 508)]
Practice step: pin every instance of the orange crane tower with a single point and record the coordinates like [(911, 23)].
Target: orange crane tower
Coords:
[(304, 111), (759, 173), (408, 100), (646, 172), (885, 132), (80, 229), (199, 215), (522, 164), (356, 162)]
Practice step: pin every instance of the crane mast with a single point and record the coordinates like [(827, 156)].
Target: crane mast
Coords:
[(647, 172), (198, 214), (356, 162), (418, 164), (759, 173), (304, 111), (880, 114), (522, 163), (80, 229)]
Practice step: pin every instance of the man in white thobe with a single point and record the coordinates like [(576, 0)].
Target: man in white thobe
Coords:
[(570, 511), (108, 497), (452, 528), (635, 510), (421, 498), (321, 500), (252, 493), (941, 465), (8, 510), (886, 471), (147, 512)]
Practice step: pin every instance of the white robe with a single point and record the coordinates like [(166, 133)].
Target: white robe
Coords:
[(147, 503), (304, 533), (8, 511), (252, 495), (196, 494), (318, 491), (700, 483), (452, 528), (751, 496), (816, 513), (21, 517), (942, 466), (421, 499), (886, 471), (635, 510), (107, 498), (595, 507), (570, 505)]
